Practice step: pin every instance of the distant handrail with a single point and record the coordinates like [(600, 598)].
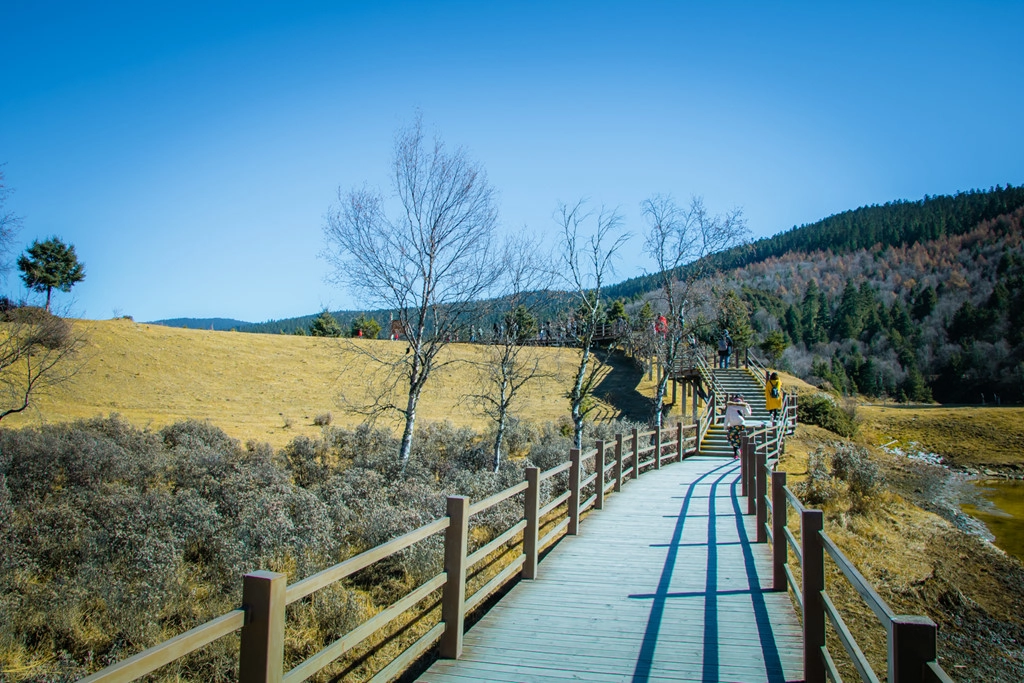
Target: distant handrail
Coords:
[(759, 366), (266, 594)]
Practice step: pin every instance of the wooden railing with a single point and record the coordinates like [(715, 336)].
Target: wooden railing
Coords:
[(265, 595), (757, 367), (912, 650)]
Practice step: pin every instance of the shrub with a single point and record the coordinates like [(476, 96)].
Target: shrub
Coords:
[(819, 488), (852, 464), (323, 419), (823, 410)]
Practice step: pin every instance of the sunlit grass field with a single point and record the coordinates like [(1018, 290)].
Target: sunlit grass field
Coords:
[(264, 387)]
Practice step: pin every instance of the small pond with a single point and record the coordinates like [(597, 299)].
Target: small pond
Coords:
[(1002, 511)]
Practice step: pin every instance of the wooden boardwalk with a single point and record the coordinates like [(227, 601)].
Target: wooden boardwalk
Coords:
[(661, 585)]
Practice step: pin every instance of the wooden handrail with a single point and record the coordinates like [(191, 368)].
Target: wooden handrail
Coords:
[(357, 635), (859, 583), (166, 652), (498, 497), (485, 550), (325, 578), (558, 469)]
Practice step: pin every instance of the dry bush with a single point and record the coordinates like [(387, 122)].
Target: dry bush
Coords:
[(81, 587)]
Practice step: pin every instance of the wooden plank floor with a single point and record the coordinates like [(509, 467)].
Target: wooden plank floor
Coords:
[(661, 585)]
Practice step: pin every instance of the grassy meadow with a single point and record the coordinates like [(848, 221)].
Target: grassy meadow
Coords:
[(264, 387)]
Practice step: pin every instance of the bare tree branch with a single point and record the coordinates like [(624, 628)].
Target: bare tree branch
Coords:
[(508, 364), (431, 262), (587, 265), (679, 242)]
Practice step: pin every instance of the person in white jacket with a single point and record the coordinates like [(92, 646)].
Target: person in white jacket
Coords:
[(736, 409)]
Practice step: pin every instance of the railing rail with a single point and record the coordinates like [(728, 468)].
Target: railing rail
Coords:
[(261, 619), (912, 655)]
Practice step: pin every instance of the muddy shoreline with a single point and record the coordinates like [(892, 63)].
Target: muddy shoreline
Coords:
[(932, 485)]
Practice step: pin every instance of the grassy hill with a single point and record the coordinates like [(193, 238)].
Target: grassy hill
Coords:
[(263, 387)]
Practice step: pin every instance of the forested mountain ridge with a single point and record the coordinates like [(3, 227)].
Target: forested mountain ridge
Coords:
[(896, 223), (939, 319)]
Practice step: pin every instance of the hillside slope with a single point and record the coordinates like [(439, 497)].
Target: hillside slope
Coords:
[(263, 387)]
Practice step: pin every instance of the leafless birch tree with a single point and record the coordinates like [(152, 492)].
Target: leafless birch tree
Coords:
[(427, 258), (587, 264), (509, 363), (679, 240)]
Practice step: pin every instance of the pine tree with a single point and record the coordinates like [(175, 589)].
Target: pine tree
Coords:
[(325, 325), (363, 326), (49, 265)]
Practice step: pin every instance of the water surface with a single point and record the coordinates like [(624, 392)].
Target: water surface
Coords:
[(1002, 511)]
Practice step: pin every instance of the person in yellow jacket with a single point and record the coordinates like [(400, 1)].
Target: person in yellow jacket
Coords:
[(773, 395)]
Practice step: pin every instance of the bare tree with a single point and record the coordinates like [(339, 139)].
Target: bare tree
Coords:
[(37, 351), (679, 240), (36, 348), (509, 363), (429, 260), (587, 265)]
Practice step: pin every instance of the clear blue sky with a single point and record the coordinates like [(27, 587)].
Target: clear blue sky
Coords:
[(191, 150)]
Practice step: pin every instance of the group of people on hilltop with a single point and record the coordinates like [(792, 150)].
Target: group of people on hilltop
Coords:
[(737, 410)]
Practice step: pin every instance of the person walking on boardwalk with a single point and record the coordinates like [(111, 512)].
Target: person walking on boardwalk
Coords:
[(773, 395), (735, 411), (724, 349)]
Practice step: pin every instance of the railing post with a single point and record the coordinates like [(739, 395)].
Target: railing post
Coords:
[(813, 571), (636, 458), (657, 447), (694, 399), (574, 492), (531, 534), (743, 465), (261, 651), (679, 440), (761, 479), (599, 471), (618, 462), (780, 549), (453, 600), (750, 454), (911, 646)]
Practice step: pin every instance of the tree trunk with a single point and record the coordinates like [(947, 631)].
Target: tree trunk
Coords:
[(498, 441), (410, 423), (49, 291), (659, 398), (577, 397)]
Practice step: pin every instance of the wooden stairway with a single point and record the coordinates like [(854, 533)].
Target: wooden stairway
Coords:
[(734, 381)]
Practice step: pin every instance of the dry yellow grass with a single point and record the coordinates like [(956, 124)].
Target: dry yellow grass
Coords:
[(965, 437), (253, 385)]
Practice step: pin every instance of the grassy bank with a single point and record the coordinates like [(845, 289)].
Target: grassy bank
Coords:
[(966, 437)]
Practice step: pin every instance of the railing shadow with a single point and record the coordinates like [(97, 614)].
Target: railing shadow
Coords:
[(711, 663)]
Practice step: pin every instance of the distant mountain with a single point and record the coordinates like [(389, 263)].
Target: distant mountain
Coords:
[(898, 223), (223, 324)]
